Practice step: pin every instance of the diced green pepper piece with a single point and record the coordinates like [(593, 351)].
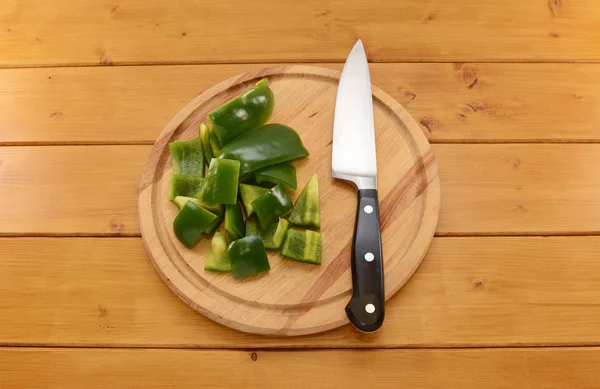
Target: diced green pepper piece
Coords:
[(221, 182), (191, 222), (273, 236), (249, 193), (215, 145), (219, 210), (206, 147), (243, 113), (248, 257), (185, 186), (187, 157), (234, 221), (307, 211), (264, 146), (303, 246), (272, 205), (218, 257), (284, 173), (181, 200)]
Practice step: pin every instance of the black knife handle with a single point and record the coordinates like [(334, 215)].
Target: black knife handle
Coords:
[(366, 307)]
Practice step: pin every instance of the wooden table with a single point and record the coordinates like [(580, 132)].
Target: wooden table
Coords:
[(507, 90)]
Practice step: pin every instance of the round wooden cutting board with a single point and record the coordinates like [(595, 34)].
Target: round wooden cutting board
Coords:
[(294, 298)]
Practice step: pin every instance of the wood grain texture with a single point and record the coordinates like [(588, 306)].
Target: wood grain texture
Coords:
[(494, 369), (506, 291), (452, 102), (106, 32), (292, 298), (70, 190), (486, 189)]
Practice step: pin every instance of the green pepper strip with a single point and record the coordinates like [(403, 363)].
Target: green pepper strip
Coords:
[(264, 146), (243, 113), (234, 221), (188, 158), (248, 257), (284, 173), (221, 185), (272, 205), (307, 210), (303, 246), (191, 222), (185, 186), (206, 146), (218, 257)]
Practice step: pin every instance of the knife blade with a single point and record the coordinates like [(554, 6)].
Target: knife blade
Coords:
[(354, 160)]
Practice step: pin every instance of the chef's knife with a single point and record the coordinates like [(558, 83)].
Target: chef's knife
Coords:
[(353, 159)]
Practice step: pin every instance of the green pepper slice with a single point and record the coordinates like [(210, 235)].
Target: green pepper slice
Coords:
[(191, 222), (206, 146), (264, 146), (303, 246), (221, 184), (219, 210), (248, 257), (272, 205), (234, 221), (215, 145), (243, 113), (271, 237), (307, 210), (249, 193), (218, 256), (284, 173), (187, 157), (185, 186)]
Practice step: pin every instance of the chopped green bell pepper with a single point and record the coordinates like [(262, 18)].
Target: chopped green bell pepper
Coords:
[(303, 246), (243, 113), (185, 186), (264, 146), (272, 205), (234, 221), (221, 184), (249, 193), (248, 257), (218, 257), (271, 237), (215, 145), (191, 222), (219, 210), (187, 157), (216, 209), (284, 173), (181, 200), (307, 211), (206, 147)]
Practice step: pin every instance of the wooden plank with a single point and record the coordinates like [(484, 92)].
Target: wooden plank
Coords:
[(103, 32), (501, 189), (488, 368), (78, 190), (502, 291), (453, 102)]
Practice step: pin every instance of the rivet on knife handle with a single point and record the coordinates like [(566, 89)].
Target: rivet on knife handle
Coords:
[(366, 307)]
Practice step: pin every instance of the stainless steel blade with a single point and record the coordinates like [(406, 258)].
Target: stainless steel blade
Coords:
[(353, 150)]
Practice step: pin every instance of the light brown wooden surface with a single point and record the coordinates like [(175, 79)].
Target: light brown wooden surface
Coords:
[(498, 72), (103, 32), (295, 299), (469, 292), (453, 102), (486, 189), (488, 368)]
